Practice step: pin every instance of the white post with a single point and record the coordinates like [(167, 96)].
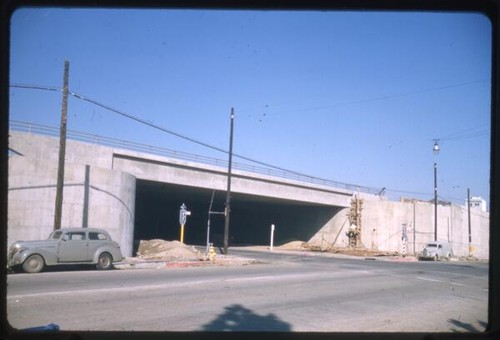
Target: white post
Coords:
[(272, 236)]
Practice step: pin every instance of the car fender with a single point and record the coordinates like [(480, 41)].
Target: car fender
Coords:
[(48, 257), (115, 253)]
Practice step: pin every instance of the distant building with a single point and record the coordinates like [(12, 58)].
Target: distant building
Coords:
[(476, 202)]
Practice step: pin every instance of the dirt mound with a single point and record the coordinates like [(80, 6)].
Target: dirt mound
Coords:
[(167, 250), (294, 245)]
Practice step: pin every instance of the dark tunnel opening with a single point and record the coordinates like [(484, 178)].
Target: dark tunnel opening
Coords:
[(157, 216)]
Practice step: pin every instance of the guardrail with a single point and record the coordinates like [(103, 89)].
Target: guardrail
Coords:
[(113, 142)]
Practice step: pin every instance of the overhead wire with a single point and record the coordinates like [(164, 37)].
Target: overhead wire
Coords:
[(472, 132), (380, 98), (157, 127), (463, 134), (37, 87)]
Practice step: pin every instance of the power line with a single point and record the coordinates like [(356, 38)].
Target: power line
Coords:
[(422, 194), (154, 126), (142, 121), (381, 98), (139, 120), (472, 132), (37, 87)]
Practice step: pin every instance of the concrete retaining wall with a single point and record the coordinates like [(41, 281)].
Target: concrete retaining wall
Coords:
[(31, 200), (382, 223)]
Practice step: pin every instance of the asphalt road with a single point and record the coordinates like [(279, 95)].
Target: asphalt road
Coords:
[(282, 292)]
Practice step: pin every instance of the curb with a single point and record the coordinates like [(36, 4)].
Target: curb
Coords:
[(163, 264)]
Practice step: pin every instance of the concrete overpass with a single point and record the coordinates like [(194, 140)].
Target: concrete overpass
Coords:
[(137, 194)]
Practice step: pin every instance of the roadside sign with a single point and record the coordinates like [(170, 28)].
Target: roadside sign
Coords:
[(183, 213), (182, 217)]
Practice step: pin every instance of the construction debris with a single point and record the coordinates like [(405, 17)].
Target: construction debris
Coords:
[(294, 245), (158, 249), (358, 251), (354, 215)]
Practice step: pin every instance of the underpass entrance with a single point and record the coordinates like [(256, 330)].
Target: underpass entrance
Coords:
[(157, 216)]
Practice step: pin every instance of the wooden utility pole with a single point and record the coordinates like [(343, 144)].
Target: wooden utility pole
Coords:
[(62, 151), (228, 193)]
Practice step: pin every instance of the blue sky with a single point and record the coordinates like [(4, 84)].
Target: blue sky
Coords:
[(354, 97)]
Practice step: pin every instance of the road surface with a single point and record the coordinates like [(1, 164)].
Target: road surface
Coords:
[(282, 292)]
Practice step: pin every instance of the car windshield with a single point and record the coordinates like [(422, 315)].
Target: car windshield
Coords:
[(56, 235)]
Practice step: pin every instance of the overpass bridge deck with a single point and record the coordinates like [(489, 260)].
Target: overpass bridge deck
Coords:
[(165, 152)]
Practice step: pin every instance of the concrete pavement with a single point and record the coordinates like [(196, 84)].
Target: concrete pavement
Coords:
[(143, 263), (235, 260)]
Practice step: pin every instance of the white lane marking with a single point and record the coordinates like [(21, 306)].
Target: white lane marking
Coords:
[(449, 282), (306, 276), (100, 290), (256, 278), (428, 279)]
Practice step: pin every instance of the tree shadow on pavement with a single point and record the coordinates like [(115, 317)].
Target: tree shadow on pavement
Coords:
[(460, 326), (237, 318)]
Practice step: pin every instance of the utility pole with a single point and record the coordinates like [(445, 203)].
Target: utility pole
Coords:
[(468, 217), (435, 203), (62, 151), (435, 150), (228, 193), (414, 229), (86, 189)]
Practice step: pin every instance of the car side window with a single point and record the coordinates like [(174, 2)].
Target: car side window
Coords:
[(76, 236), (97, 236)]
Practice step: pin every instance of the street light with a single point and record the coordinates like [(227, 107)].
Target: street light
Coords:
[(435, 149), (228, 192)]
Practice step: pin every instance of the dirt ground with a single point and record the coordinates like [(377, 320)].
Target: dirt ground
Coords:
[(162, 250), (304, 246), (179, 254)]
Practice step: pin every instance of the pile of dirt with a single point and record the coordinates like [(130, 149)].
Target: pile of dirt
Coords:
[(294, 245), (158, 249)]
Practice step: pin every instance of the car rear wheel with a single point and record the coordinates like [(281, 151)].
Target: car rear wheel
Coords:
[(104, 262), (33, 264)]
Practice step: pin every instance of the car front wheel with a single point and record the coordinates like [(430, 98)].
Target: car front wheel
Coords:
[(105, 261), (33, 264)]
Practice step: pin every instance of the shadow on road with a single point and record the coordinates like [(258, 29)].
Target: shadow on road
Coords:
[(238, 318), (58, 268), (466, 327)]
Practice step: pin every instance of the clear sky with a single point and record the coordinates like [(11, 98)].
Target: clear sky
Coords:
[(354, 97)]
